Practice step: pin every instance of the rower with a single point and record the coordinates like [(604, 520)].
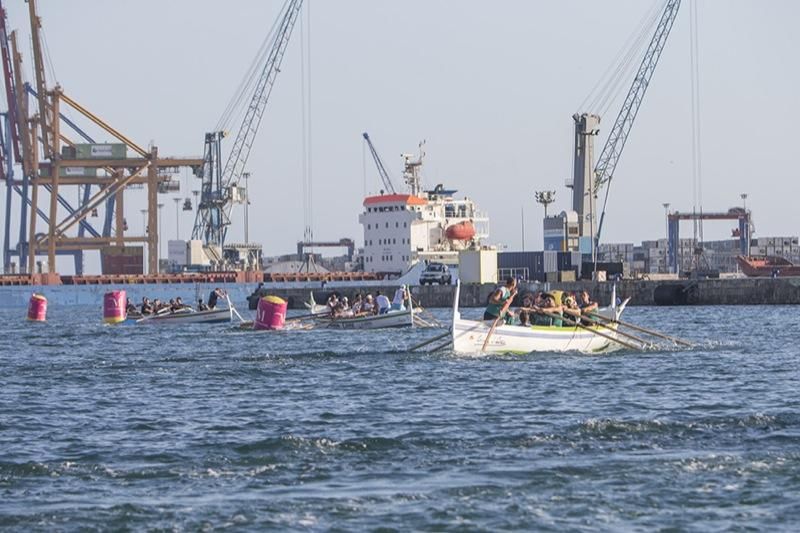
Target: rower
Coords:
[(382, 302), (499, 298), (201, 306), (546, 304), (129, 307), (368, 306), (212, 298), (398, 302), (147, 307), (586, 304), (571, 309)]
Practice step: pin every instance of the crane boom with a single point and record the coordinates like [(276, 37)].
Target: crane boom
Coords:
[(609, 157), (221, 191), (387, 181)]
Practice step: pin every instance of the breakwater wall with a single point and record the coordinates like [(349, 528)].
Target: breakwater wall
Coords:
[(746, 291)]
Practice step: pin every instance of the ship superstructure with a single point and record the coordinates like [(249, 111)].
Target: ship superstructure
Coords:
[(402, 229)]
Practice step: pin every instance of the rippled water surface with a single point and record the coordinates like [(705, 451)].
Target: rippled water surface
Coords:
[(146, 427)]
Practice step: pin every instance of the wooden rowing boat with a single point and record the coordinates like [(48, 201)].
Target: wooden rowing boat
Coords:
[(184, 316), (392, 319), (468, 336)]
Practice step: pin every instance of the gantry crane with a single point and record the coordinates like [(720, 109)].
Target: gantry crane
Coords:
[(387, 181), (220, 186), (588, 181)]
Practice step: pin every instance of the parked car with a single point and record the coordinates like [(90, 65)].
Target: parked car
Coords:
[(436, 273)]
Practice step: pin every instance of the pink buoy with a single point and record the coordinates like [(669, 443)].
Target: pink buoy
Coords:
[(271, 313), (114, 307), (37, 308)]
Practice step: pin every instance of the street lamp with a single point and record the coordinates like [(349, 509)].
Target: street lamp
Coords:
[(666, 218), (545, 198), (177, 219), (246, 176), (160, 247)]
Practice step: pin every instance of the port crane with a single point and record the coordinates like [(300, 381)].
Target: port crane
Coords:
[(588, 181), (384, 175), (220, 188)]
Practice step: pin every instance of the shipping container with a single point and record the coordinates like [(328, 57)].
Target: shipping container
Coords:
[(101, 151), (122, 260), (550, 261), (533, 261)]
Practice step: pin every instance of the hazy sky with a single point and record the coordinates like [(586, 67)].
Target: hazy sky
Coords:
[(491, 86)]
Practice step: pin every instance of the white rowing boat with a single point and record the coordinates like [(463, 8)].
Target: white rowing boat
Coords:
[(469, 335), (315, 308), (392, 319), (184, 316)]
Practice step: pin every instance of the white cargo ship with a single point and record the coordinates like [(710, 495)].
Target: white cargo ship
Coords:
[(400, 230)]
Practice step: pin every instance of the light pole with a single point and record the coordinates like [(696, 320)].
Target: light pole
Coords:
[(666, 218), (177, 219), (144, 230), (160, 244), (246, 176), (746, 224)]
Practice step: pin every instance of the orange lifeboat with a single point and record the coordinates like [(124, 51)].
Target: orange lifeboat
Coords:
[(463, 231)]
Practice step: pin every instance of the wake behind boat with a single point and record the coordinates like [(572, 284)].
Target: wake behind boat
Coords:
[(469, 336)]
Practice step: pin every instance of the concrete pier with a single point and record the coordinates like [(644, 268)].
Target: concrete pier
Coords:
[(746, 291)]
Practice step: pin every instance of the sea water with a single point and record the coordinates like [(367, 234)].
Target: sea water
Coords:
[(201, 427)]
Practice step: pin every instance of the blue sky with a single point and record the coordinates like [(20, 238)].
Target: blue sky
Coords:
[(491, 86)]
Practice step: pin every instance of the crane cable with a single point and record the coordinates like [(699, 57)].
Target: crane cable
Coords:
[(622, 62), (697, 176), (305, 97), (235, 107)]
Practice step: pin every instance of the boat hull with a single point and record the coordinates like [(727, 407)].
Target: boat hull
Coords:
[(767, 266), (397, 319), (470, 335), (214, 316)]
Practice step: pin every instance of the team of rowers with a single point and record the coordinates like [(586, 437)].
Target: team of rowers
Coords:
[(175, 305), (366, 304), (539, 309)]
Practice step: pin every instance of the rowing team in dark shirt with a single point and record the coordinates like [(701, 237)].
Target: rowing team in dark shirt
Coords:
[(156, 306)]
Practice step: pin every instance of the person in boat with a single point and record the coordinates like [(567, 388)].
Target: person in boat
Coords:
[(201, 306), (524, 313), (172, 306), (147, 307), (129, 307), (546, 306), (368, 305), (214, 296), (332, 302), (498, 299), (382, 302), (179, 305), (587, 305), (357, 304), (400, 298), (570, 309)]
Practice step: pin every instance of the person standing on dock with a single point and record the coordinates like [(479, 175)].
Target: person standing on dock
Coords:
[(498, 299)]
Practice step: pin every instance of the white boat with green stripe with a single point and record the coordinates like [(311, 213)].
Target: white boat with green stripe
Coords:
[(469, 336)]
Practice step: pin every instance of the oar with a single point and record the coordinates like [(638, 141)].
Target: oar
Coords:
[(578, 324), (309, 315), (153, 315), (644, 342), (645, 330), (503, 311), (429, 341)]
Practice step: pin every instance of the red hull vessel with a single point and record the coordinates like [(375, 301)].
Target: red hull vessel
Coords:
[(767, 266)]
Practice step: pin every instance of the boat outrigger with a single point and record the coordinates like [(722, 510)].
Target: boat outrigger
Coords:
[(469, 336)]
